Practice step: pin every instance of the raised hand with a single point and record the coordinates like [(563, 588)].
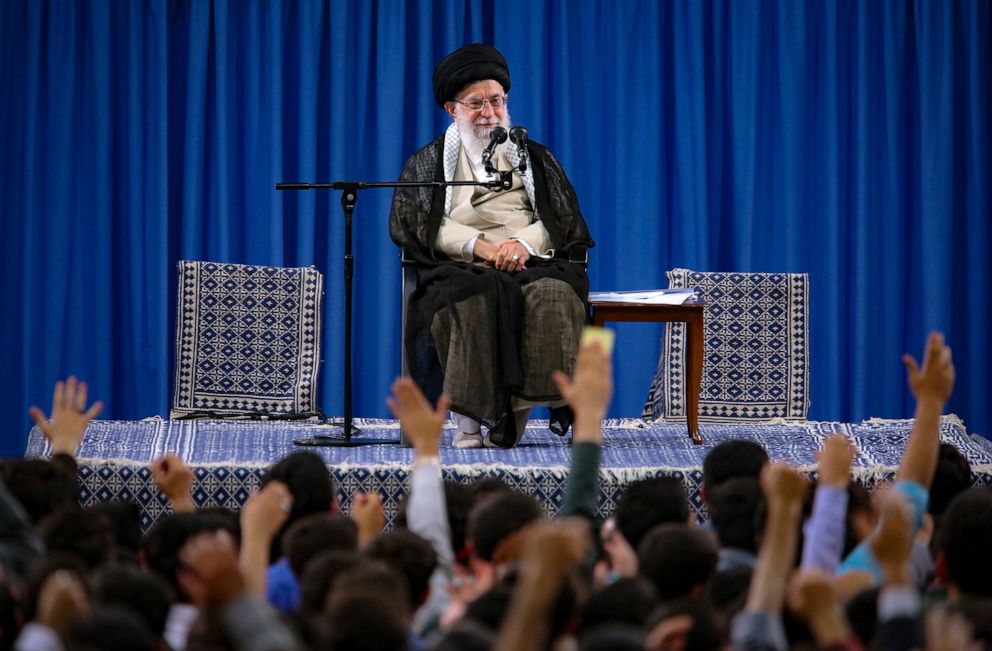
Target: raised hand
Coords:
[(783, 484), (61, 602), (811, 595), (69, 417), (175, 479), (892, 542), (368, 515), (421, 422), (266, 511), (835, 461), (935, 379)]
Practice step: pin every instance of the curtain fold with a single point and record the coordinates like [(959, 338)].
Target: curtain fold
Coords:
[(849, 140)]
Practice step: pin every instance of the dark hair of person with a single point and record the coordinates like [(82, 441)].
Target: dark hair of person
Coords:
[(410, 555), (861, 611), (498, 516), (86, 534), (952, 476), (41, 486), (734, 458), (309, 481), (374, 577), (965, 540), (124, 519), (10, 616), (111, 629), (624, 602), (466, 635), (676, 559), (727, 590), (319, 576), (318, 533), (735, 508), (147, 594), (365, 620), (612, 637), (709, 629), (162, 544), (647, 503)]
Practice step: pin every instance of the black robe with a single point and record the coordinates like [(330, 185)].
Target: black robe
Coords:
[(493, 300)]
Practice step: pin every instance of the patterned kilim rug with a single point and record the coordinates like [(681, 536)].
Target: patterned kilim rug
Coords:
[(229, 457)]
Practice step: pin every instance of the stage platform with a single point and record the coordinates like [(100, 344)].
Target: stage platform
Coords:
[(229, 457)]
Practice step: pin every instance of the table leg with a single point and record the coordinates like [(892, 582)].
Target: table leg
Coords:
[(694, 373)]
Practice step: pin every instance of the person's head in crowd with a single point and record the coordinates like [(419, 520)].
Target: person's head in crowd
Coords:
[(314, 534), (111, 629), (466, 635), (612, 637), (319, 576), (365, 620), (727, 590), (309, 481), (495, 519), (128, 587), (978, 614), (678, 560), (647, 503), (371, 576), (367, 608), (124, 519), (483, 488), (39, 573), (688, 625), (735, 507), (734, 458), (41, 486), (162, 544), (458, 501), (87, 534), (952, 476), (861, 611), (624, 602), (965, 539), (410, 555)]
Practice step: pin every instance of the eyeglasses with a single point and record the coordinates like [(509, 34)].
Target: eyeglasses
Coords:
[(477, 103)]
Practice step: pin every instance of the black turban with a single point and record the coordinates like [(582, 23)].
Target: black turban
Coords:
[(467, 65)]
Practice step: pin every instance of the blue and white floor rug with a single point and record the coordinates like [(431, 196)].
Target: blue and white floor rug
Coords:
[(229, 456)]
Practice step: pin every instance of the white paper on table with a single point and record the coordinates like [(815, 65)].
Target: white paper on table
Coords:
[(644, 296)]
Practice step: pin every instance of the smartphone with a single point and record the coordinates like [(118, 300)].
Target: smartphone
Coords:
[(604, 336)]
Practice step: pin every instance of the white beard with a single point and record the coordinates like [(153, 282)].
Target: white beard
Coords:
[(475, 138)]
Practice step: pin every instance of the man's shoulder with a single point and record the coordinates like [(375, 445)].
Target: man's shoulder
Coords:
[(430, 149)]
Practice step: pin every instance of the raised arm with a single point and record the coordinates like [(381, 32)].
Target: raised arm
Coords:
[(931, 385), (69, 416), (759, 626), (588, 393)]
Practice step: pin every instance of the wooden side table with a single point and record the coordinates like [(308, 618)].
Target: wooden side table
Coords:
[(689, 313)]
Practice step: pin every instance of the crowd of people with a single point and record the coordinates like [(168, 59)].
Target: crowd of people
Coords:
[(784, 560)]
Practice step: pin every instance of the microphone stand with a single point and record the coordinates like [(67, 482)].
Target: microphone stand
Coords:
[(349, 197)]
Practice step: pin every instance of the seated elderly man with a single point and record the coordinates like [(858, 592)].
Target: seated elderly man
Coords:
[(499, 305)]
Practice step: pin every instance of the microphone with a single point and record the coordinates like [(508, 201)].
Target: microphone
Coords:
[(518, 136), (496, 137)]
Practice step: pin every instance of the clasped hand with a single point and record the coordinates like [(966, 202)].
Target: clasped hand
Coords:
[(509, 255)]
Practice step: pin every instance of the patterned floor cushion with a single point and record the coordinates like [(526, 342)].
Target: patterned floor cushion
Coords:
[(755, 360), (247, 340)]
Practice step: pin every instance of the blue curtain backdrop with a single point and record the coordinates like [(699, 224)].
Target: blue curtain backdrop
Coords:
[(850, 140)]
